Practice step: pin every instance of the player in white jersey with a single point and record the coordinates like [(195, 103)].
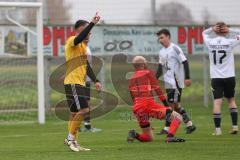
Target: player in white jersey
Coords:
[(222, 71), (174, 66), (87, 118)]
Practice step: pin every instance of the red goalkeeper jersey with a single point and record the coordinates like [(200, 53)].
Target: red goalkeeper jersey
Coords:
[(143, 83)]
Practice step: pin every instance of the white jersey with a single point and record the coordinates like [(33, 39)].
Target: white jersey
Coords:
[(171, 59), (89, 58), (221, 54)]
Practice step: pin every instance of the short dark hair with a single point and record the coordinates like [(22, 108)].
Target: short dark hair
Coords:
[(221, 24), (80, 23), (165, 32)]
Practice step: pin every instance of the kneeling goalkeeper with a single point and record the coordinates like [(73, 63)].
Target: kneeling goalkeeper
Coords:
[(141, 87)]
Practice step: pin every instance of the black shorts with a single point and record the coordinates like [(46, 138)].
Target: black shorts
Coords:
[(76, 97), (88, 86), (174, 95), (223, 87)]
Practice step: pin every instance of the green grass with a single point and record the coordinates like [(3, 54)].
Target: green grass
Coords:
[(20, 139), (45, 142)]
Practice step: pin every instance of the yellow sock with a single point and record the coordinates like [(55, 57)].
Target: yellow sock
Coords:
[(69, 125), (75, 125)]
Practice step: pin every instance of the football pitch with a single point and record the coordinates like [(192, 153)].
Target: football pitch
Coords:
[(31, 141)]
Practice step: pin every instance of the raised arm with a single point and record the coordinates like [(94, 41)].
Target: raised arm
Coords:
[(83, 34), (87, 30), (206, 35), (236, 39), (234, 31)]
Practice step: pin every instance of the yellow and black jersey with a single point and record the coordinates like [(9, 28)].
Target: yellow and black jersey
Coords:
[(77, 66), (76, 62)]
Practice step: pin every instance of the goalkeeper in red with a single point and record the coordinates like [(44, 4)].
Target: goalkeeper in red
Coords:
[(142, 85)]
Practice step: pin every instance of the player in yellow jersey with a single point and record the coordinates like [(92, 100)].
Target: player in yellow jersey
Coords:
[(77, 68)]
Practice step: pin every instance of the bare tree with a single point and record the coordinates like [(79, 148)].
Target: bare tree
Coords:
[(208, 18), (174, 13), (55, 12), (15, 13)]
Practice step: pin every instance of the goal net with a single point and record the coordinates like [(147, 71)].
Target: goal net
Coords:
[(21, 72)]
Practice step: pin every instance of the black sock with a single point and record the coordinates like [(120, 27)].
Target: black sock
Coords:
[(184, 114), (137, 136), (167, 123), (88, 126), (168, 118), (217, 120), (234, 116), (169, 135), (87, 122)]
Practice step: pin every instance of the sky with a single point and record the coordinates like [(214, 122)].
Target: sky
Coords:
[(139, 11)]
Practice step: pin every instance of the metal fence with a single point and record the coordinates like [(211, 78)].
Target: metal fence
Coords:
[(198, 94), (18, 79)]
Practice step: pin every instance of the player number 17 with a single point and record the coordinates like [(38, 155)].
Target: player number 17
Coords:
[(215, 52)]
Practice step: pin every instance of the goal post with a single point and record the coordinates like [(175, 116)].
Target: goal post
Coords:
[(40, 56)]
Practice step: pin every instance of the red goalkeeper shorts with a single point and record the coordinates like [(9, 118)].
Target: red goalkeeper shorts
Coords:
[(146, 108)]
